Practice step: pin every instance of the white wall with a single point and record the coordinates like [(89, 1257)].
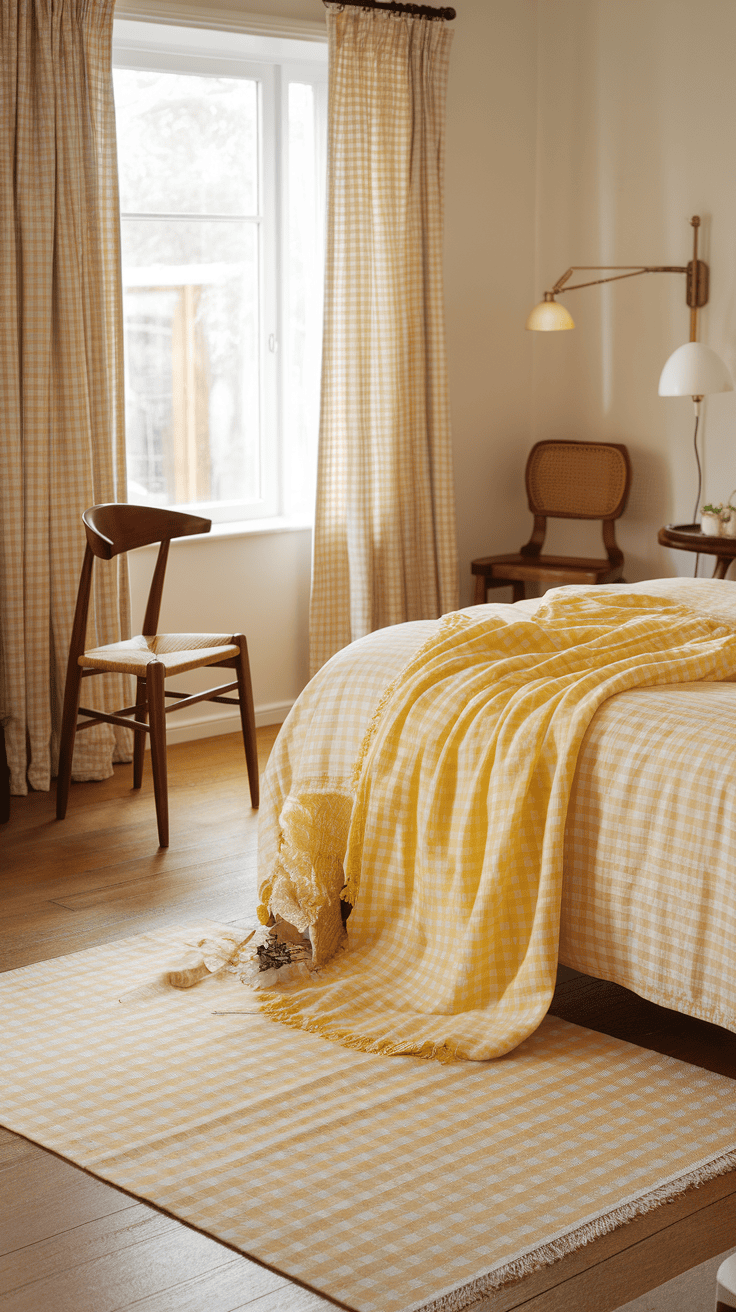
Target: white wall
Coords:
[(637, 110), (489, 270)]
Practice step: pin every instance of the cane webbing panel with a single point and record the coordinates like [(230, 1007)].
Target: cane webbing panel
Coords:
[(576, 478)]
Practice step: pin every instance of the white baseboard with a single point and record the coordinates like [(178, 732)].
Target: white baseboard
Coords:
[(186, 729)]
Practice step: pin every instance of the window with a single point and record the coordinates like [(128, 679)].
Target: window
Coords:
[(221, 165)]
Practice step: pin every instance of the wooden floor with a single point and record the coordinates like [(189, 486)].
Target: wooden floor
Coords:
[(73, 1244)]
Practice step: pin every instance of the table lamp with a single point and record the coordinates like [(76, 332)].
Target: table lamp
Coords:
[(695, 370)]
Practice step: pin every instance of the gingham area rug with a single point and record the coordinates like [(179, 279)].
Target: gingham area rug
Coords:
[(385, 1183)]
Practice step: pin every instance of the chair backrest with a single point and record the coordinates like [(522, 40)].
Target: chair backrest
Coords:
[(577, 480), (117, 527)]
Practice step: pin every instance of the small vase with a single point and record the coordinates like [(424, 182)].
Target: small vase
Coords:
[(711, 525)]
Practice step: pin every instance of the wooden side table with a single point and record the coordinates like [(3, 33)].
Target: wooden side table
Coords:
[(689, 537)]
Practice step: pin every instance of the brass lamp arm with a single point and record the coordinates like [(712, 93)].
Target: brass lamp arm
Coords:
[(634, 271), (696, 278)]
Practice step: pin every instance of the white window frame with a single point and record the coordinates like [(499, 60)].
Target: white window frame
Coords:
[(219, 50)]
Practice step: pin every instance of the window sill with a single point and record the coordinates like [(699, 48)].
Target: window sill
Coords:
[(246, 528)]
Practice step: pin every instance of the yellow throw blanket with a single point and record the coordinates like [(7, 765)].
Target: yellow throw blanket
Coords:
[(453, 845)]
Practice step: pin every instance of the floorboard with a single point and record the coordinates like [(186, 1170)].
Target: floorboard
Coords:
[(75, 1244)]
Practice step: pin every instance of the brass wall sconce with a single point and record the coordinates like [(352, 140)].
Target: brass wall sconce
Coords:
[(550, 316)]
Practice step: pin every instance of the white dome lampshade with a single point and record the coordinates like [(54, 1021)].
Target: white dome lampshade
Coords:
[(549, 317), (694, 370)]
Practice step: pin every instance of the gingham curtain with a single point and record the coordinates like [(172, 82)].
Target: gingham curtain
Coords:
[(384, 545), (61, 376)]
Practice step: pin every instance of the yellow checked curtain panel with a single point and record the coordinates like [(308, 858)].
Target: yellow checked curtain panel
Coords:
[(384, 547), (61, 369)]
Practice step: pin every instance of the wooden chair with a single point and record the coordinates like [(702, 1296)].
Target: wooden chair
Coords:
[(564, 480), (111, 530)]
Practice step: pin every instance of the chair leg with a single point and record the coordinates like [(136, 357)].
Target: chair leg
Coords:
[(248, 718), (68, 735), (480, 590), (155, 674), (519, 588), (139, 743)]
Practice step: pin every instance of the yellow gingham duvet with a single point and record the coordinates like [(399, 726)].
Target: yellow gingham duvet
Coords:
[(431, 765)]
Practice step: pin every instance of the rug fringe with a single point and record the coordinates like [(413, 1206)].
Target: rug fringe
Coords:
[(458, 1299)]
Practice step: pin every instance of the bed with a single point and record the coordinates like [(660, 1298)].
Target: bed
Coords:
[(649, 866)]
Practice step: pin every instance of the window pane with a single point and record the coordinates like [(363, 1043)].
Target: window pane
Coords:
[(187, 144), (192, 367), (304, 299)]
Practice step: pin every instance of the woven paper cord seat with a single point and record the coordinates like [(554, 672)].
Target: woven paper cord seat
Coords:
[(564, 480), (111, 530)]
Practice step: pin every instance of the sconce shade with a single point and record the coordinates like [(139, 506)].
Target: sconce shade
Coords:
[(549, 317), (694, 370)]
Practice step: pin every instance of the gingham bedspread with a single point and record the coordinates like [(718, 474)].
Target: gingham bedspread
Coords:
[(649, 890)]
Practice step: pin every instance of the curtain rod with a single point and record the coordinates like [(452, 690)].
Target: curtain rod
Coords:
[(397, 7)]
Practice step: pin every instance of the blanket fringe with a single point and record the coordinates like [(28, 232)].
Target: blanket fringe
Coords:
[(546, 1254), (288, 1013)]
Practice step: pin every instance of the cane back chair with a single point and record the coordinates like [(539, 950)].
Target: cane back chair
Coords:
[(564, 480), (150, 657)]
